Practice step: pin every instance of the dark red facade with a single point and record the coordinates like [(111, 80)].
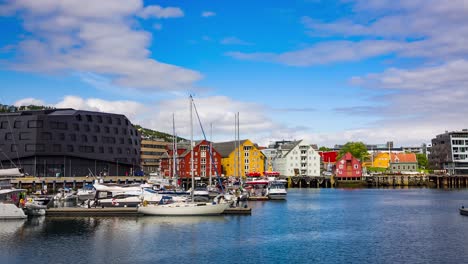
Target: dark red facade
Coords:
[(348, 167), (328, 159), (201, 161)]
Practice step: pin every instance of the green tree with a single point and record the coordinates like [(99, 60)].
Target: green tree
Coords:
[(357, 149), (323, 148), (422, 160)]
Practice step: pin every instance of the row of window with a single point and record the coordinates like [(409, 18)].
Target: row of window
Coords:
[(152, 153), (100, 119), (64, 126), (71, 137), (71, 148), (153, 146)]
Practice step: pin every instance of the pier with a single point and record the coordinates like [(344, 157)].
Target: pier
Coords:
[(386, 180), (448, 181), (309, 182)]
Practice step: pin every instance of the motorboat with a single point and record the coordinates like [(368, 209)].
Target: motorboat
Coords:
[(10, 202), (277, 190), (86, 193)]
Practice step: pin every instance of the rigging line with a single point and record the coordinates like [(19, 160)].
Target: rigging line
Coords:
[(14, 141), (211, 153), (9, 159)]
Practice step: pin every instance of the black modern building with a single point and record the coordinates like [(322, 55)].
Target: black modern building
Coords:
[(68, 142), (450, 152)]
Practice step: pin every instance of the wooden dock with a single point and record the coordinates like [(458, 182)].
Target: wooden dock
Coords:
[(107, 211)]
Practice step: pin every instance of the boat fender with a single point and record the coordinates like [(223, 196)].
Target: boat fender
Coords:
[(145, 202)]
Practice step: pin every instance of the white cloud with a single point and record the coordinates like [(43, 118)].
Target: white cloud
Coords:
[(324, 53), (160, 12), (208, 14), (101, 39), (29, 101), (234, 41)]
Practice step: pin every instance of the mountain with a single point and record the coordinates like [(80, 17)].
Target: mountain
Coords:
[(153, 134)]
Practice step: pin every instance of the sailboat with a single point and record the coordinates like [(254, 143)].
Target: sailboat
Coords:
[(166, 207)]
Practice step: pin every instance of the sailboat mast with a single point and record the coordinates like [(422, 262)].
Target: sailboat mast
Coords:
[(239, 146), (191, 147), (174, 148), (235, 146), (211, 147)]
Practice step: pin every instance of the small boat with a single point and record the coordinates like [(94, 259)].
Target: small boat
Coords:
[(463, 211), (86, 193), (9, 202), (277, 190)]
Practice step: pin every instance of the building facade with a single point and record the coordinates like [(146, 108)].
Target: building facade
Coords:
[(152, 151), (348, 168), (68, 142), (240, 158), (297, 158), (328, 160), (202, 161), (403, 162), (449, 152)]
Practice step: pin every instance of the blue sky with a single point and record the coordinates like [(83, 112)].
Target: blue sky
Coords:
[(325, 71)]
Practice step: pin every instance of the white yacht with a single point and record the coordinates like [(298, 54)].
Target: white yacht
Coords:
[(9, 201), (277, 190)]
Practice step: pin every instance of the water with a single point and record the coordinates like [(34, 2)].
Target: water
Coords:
[(314, 225)]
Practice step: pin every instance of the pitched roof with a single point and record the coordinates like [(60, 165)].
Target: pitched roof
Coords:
[(290, 146), (225, 148), (404, 158)]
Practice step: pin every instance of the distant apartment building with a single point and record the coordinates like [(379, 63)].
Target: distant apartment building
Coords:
[(151, 152), (297, 158), (449, 152)]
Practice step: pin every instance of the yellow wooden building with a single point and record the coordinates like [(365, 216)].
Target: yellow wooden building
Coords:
[(381, 160), (240, 160)]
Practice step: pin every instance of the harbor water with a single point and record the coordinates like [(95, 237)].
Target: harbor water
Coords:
[(312, 226)]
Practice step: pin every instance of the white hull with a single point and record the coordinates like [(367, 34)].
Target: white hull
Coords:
[(11, 211), (277, 196), (183, 209)]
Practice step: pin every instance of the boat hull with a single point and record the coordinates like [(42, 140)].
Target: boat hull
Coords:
[(463, 211), (11, 211), (277, 196), (183, 209)]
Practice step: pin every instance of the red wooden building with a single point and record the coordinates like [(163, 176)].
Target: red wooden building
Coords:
[(348, 168), (201, 160)]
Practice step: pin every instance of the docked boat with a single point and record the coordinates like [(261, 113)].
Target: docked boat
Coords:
[(463, 211), (277, 190), (86, 193), (10, 202), (168, 208)]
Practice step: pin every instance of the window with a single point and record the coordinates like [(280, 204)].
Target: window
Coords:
[(69, 148), (84, 138), (110, 150), (35, 124), (46, 136), (116, 130), (76, 127), (109, 120), (34, 148), (99, 119), (94, 138), (86, 149), (14, 148), (89, 118), (101, 149), (97, 128), (124, 131), (119, 150), (61, 136), (58, 125), (72, 137), (122, 140), (18, 124), (78, 117), (4, 125), (119, 122), (86, 128), (356, 166), (106, 129), (57, 148), (24, 136)]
